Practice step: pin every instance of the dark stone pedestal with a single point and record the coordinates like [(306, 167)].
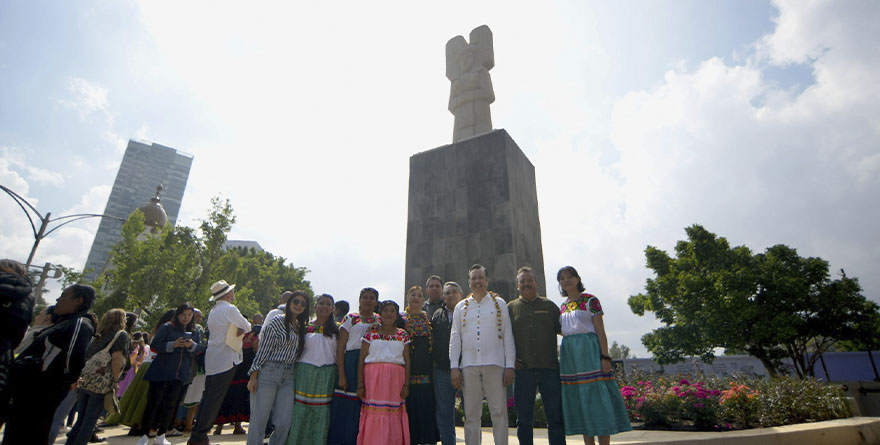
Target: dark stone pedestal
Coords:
[(473, 201)]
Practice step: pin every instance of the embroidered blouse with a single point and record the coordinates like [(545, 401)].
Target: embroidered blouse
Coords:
[(319, 349), (386, 348), (356, 326), (417, 325), (576, 317)]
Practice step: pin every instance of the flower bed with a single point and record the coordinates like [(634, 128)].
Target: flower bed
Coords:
[(710, 403)]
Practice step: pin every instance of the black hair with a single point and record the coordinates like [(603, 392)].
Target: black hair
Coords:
[(84, 291), (369, 289), (330, 328), (302, 319), (130, 319), (434, 278), (342, 305), (397, 322), (480, 267), (165, 318), (573, 273), (184, 307)]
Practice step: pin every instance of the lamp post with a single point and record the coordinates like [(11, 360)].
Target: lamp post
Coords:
[(44, 229)]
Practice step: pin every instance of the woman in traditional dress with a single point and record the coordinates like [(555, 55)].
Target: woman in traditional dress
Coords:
[(136, 358), (316, 376), (420, 407), (591, 401), (271, 382), (383, 380), (345, 410)]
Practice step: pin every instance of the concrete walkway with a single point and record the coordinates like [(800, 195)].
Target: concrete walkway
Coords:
[(856, 430)]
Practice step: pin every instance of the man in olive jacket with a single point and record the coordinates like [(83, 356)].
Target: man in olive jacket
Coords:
[(535, 323)]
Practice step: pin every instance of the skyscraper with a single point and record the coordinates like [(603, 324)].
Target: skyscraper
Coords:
[(144, 166)]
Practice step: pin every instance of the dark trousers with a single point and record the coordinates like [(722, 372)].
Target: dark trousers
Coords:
[(524, 390), (91, 405), (35, 399), (215, 391), (161, 405)]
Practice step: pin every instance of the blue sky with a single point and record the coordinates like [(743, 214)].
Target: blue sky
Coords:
[(755, 119)]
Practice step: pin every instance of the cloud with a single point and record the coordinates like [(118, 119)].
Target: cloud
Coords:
[(15, 158), (88, 98)]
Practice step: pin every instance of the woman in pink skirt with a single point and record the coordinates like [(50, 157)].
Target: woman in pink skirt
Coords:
[(383, 380)]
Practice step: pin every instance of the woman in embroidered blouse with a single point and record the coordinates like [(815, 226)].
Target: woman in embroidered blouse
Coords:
[(346, 406), (591, 401), (420, 406), (272, 373), (315, 377), (383, 380)]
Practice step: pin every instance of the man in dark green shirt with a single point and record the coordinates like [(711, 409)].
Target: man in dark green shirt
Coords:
[(535, 323)]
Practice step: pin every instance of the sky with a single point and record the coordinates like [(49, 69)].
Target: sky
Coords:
[(757, 120)]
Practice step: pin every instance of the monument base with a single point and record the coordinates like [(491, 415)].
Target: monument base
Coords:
[(474, 201)]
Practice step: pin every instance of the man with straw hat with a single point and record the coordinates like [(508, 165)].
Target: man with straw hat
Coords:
[(220, 358)]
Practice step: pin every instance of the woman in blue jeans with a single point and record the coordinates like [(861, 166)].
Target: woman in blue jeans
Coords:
[(271, 374), (110, 329)]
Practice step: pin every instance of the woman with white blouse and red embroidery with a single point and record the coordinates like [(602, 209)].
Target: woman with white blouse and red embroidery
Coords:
[(591, 401), (383, 380), (345, 409)]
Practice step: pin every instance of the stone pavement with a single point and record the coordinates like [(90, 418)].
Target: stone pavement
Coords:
[(856, 430)]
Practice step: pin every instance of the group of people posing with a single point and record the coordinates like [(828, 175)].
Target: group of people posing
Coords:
[(381, 375)]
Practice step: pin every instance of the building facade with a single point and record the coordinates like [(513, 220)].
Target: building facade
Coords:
[(144, 166)]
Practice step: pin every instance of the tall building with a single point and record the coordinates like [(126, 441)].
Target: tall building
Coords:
[(144, 166)]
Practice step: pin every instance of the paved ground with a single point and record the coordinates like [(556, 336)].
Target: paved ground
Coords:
[(836, 432)]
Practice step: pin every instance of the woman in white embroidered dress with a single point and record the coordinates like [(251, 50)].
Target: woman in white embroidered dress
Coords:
[(591, 401)]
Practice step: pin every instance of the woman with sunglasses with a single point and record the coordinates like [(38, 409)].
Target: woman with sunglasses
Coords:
[(345, 410), (591, 401), (316, 376), (272, 373), (383, 380)]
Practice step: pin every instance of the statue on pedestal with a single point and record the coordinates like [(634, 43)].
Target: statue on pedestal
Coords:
[(467, 67)]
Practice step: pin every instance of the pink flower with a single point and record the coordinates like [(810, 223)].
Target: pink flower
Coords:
[(683, 382)]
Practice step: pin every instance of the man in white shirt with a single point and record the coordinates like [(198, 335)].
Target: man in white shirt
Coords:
[(482, 356), (220, 358)]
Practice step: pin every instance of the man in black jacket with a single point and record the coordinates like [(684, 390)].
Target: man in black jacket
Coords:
[(444, 393), (45, 371)]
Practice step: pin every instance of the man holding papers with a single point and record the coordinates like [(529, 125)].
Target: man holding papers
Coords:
[(226, 326)]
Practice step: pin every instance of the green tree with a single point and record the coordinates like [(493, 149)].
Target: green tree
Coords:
[(619, 352), (772, 305)]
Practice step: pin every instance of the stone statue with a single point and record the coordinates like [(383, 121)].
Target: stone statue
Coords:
[(467, 67)]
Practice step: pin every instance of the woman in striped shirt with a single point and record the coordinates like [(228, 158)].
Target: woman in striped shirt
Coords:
[(271, 374), (315, 377)]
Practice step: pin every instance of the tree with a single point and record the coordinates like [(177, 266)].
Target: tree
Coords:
[(619, 352), (772, 305), (157, 272)]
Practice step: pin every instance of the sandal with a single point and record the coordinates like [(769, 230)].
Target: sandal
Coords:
[(173, 433)]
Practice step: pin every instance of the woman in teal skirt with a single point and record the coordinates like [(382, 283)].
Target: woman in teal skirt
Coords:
[(315, 378), (591, 401), (345, 409)]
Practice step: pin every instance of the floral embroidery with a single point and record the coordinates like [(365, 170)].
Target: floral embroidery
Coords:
[(374, 334), (356, 318), (493, 295), (587, 302), (417, 325), (420, 379), (312, 328)]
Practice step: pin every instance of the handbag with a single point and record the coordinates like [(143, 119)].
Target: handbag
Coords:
[(97, 374), (111, 403)]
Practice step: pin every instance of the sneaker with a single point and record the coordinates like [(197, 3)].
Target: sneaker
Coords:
[(143, 440), (174, 433), (160, 440)]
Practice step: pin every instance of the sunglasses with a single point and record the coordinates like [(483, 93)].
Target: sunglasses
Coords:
[(298, 302)]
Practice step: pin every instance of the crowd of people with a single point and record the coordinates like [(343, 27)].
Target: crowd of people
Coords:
[(377, 375)]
